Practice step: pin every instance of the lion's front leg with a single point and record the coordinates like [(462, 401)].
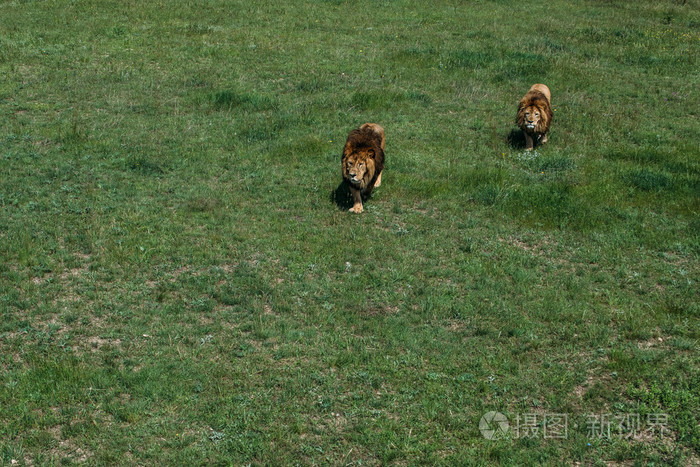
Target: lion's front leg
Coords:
[(529, 144), (356, 200), (379, 180)]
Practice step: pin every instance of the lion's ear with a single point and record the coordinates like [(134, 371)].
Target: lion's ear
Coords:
[(370, 153)]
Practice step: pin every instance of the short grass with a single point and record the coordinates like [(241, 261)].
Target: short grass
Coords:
[(179, 283)]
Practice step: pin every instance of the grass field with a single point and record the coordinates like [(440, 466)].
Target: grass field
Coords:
[(181, 284)]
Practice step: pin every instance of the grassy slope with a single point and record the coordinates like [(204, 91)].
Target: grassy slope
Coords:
[(178, 285)]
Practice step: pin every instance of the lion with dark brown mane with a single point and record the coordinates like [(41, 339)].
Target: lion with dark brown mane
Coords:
[(535, 115), (363, 162)]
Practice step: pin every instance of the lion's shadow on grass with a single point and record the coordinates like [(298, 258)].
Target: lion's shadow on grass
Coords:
[(341, 196), (516, 139)]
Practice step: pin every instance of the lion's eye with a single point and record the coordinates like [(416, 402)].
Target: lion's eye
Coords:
[(537, 115)]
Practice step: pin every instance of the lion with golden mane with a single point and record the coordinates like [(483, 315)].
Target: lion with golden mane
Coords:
[(363, 162), (535, 115)]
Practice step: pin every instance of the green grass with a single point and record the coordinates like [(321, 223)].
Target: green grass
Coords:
[(179, 283)]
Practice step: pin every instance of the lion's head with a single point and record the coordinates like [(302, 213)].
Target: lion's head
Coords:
[(359, 166), (534, 113), (531, 117)]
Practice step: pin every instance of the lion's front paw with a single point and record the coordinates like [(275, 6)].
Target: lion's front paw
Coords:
[(357, 209)]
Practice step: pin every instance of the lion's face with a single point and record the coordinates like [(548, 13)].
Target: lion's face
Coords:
[(531, 116), (534, 113), (358, 168)]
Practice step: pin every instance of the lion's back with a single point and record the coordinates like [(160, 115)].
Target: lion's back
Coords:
[(544, 89), (378, 130), (369, 135)]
